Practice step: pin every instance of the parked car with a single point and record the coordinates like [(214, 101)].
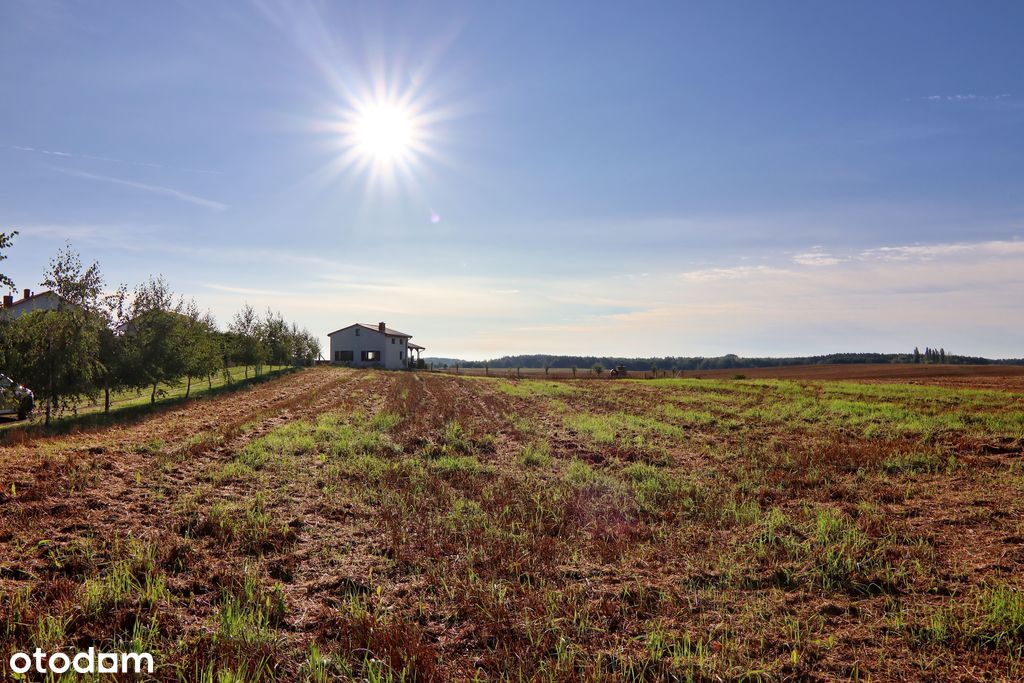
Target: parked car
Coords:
[(15, 399)]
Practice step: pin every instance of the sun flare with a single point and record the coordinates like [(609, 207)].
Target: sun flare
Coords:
[(384, 132), (385, 137)]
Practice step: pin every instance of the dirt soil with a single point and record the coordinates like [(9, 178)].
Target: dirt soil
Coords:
[(338, 524)]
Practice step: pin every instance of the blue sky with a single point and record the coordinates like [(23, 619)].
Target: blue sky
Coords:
[(662, 178)]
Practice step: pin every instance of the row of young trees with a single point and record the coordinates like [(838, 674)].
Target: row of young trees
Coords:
[(97, 342)]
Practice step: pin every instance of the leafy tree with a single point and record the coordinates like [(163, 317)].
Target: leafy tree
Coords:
[(305, 347), (55, 353), (77, 329), (248, 347), (6, 239), (313, 344), (77, 285), (201, 346), (156, 337), (917, 355), (597, 368), (115, 368), (275, 338)]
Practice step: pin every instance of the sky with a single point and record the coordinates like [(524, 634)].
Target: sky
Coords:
[(677, 178)]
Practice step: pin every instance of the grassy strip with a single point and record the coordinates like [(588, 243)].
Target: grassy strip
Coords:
[(131, 407)]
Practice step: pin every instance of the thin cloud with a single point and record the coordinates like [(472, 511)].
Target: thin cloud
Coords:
[(131, 238), (816, 256), (94, 157), (928, 252), (966, 97), (250, 291), (733, 273), (145, 187)]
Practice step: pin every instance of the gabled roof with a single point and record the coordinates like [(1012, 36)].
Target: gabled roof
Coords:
[(37, 295), (373, 328), (45, 301)]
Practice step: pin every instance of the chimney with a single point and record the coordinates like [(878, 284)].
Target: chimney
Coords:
[(8, 300), (381, 327), (27, 293)]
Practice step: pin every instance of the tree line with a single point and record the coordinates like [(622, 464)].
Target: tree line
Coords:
[(97, 342), (729, 361)]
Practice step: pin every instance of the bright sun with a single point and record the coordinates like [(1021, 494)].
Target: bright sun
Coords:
[(383, 137), (384, 132)]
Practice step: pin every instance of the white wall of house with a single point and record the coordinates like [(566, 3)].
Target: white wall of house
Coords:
[(393, 352)]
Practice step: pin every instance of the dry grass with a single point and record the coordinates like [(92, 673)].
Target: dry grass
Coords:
[(347, 525)]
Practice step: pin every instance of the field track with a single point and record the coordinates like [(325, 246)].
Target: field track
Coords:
[(452, 527)]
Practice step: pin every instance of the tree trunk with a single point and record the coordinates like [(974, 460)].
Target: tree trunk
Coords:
[(209, 381), (188, 389), (51, 397), (106, 397), (152, 397)]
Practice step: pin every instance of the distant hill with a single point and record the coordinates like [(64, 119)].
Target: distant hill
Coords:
[(731, 360)]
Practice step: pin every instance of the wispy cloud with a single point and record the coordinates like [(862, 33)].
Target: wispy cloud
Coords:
[(816, 256), (731, 273), (94, 157), (146, 187), (929, 252), (246, 291), (131, 238), (966, 97)]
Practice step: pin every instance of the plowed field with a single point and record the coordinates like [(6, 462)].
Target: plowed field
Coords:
[(337, 524)]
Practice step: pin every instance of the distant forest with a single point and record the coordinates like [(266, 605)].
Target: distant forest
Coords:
[(541, 360)]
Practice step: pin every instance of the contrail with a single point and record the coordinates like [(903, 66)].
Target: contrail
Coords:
[(146, 164), (156, 189)]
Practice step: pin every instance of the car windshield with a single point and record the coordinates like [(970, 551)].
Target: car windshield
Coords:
[(5, 382)]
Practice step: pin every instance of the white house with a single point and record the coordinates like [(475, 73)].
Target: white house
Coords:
[(43, 301), (376, 346)]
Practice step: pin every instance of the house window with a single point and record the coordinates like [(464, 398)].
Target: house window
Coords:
[(401, 355), (357, 331), (392, 340), (371, 355), (343, 355)]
